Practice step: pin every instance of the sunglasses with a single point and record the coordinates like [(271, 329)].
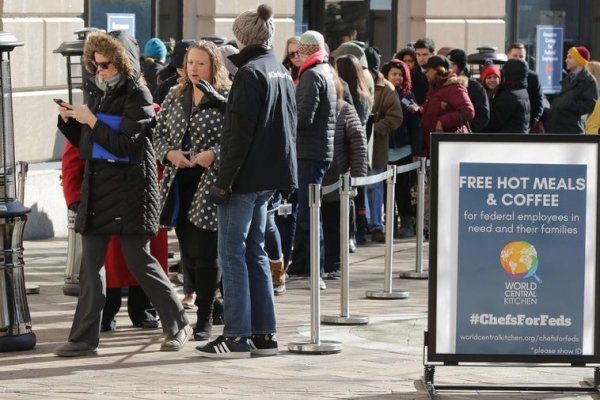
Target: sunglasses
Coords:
[(101, 64), (293, 54)]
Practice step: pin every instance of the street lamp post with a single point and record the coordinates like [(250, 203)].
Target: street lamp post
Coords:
[(15, 320), (72, 50)]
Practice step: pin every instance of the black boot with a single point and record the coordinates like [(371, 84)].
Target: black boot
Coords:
[(110, 310), (407, 227), (208, 276), (140, 310), (218, 316)]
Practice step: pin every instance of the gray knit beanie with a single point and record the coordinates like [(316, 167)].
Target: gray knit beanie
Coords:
[(255, 26)]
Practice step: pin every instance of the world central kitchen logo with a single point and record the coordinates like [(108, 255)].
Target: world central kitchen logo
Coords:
[(519, 260)]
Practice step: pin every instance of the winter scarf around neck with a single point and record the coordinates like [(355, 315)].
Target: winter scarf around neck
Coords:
[(318, 57)]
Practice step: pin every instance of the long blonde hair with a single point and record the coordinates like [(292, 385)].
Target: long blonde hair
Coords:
[(219, 75), (594, 68)]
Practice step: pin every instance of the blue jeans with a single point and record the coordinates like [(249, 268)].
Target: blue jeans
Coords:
[(247, 288), (272, 238), (309, 171), (375, 200)]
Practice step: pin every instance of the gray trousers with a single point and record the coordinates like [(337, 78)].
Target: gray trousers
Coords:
[(145, 268)]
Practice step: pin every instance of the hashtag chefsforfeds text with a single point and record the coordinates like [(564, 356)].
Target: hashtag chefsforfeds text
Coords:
[(519, 320)]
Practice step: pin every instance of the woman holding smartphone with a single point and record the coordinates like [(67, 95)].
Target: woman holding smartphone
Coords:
[(187, 139), (405, 144), (118, 198)]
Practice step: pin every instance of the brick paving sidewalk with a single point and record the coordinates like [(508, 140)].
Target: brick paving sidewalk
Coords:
[(381, 360)]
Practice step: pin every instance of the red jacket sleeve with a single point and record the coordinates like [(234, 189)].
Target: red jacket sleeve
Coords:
[(72, 173)]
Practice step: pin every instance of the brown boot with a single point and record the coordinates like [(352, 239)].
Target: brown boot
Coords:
[(278, 275)]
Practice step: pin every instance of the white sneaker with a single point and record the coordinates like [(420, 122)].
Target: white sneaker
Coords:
[(322, 284)]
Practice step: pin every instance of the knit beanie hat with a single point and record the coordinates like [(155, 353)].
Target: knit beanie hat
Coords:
[(226, 51), (311, 42), (255, 26), (490, 70), (179, 52), (580, 54), (156, 49), (458, 57), (373, 58), (354, 49)]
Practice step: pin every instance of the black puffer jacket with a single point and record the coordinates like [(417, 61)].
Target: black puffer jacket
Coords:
[(350, 148), (510, 107), (117, 198), (316, 99)]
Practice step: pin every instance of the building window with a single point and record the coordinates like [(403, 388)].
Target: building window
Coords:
[(123, 14), (523, 16)]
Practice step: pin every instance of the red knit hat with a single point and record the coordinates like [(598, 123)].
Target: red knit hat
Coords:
[(490, 70)]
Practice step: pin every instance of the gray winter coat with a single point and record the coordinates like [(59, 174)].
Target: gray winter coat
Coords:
[(316, 101)]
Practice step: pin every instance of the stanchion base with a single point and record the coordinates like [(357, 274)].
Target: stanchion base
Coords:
[(324, 347), (414, 275), (17, 342), (32, 289), (399, 294), (71, 289), (349, 320)]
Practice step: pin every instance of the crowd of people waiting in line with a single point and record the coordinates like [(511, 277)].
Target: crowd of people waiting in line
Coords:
[(221, 143)]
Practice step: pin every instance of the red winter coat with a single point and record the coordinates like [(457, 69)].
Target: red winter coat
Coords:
[(445, 101)]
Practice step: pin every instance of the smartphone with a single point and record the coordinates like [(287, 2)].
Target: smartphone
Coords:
[(61, 103), (406, 102)]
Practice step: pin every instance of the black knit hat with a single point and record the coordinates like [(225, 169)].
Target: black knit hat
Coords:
[(179, 52), (373, 58), (458, 57)]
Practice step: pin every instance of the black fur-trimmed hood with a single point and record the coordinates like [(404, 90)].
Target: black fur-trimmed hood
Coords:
[(118, 46)]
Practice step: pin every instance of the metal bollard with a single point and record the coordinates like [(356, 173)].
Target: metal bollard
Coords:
[(71, 286), (316, 345), (345, 318), (419, 273), (387, 292)]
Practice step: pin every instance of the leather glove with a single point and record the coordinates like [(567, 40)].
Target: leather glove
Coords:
[(217, 195), (215, 99)]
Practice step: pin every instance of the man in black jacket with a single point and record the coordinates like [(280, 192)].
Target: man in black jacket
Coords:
[(258, 156), (424, 48), (534, 87)]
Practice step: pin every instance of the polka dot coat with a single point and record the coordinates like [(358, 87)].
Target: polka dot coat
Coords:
[(205, 127)]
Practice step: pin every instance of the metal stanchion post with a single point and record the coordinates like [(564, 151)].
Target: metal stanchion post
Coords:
[(316, 345), (419, 273), (74, 249), (387, 292), (23, 168), (345, 318)]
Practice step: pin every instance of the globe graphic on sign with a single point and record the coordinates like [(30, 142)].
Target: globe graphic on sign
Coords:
[(519, 259)]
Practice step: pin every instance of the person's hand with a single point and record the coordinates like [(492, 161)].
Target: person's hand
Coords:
[(413, 107), (179, 158), (81, 114), (210, 91), (439, 127), (215, 99), (62, 111), (217, 195), (205, 158)]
